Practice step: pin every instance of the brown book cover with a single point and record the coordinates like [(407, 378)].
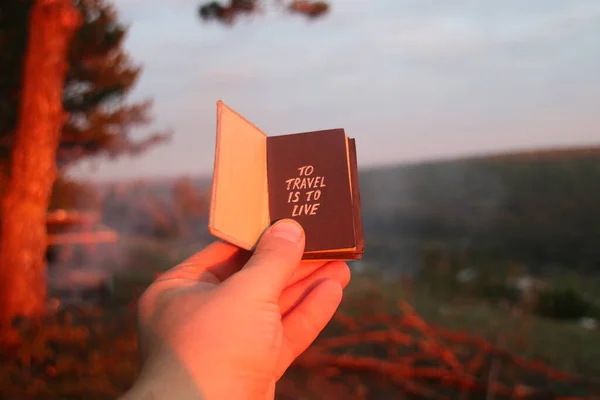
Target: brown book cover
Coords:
[(310, 177)]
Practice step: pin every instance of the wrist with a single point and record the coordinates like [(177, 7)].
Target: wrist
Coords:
[(163, 378), (169, 382), (162, 388), (219, 388), (154, 390)]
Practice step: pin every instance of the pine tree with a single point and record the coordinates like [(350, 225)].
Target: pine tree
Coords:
[(101, 75), (33, 159), (228, 13), (64, 77)]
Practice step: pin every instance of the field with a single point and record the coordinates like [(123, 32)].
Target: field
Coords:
[(436, 308), (390, 339)]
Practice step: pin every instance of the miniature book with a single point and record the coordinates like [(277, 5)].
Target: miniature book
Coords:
[(310, 177)]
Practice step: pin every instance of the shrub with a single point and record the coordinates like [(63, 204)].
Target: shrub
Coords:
[(499, 291), (565, 303)]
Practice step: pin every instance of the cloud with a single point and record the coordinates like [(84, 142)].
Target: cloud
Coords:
[(466, 28), (410, 79), (425, 43)]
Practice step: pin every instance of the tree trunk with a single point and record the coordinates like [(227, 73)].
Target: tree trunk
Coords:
[(52, 24)]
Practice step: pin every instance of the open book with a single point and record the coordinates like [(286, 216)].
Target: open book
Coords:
[(310, 177)]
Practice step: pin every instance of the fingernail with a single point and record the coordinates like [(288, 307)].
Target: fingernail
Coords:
[(287, 230)]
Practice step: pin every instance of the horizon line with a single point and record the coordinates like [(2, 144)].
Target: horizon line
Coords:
[(538, 152)]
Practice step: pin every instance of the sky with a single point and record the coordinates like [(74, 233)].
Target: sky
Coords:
[(410, 80)]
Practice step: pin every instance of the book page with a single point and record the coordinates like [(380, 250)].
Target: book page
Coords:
[(239, 201)]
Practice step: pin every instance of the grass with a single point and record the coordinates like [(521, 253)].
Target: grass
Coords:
[(92, 352), (564, 345)]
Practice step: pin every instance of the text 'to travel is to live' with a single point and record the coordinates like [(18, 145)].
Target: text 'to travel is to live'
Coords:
[(305, 183)]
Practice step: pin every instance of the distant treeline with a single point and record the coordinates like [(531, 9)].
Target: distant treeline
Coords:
[(176, 209), (539, 209), (542, 209)]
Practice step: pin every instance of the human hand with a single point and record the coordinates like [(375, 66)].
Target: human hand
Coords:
[(226, 324)]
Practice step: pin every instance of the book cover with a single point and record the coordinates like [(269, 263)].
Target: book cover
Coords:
[(310, 177), (309, 182)]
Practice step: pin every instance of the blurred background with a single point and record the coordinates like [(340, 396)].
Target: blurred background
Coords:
[(478, 134)]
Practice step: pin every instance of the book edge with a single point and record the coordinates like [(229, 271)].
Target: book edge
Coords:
[(356, 253), (356, 200)]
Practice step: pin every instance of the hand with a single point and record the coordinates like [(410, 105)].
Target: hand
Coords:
[(225, 324)]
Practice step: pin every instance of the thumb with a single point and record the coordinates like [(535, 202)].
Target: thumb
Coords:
[(277, 255)]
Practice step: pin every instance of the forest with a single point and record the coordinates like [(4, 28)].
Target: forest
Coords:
[(478, 279), (536, 208)]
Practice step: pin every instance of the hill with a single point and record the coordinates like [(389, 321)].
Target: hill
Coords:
[(537, 208)]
